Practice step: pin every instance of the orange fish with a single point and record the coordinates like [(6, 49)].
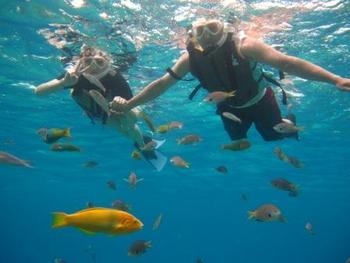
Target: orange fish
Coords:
[(179, 162), (176, 125), (99, 220), (132, 179), (285, 185), (218, 96), (267, 213), (189, 139)]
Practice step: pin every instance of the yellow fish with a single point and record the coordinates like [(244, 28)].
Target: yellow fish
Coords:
[(136, 155), (163, 128), (99, 220)]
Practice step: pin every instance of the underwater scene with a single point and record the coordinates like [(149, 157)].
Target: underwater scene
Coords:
[(199, 131)]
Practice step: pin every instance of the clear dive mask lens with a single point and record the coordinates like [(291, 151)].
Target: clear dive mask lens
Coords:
[(87, 62), (213, 28)]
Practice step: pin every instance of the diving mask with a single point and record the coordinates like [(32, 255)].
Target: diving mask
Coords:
[(212, 28)]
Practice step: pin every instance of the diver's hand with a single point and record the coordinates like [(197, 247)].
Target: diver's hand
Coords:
[(343, 84), (70, 79), (119, 105)]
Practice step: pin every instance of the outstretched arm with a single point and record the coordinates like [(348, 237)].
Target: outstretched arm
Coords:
[(261, 52), (154, 89), (56, 84)]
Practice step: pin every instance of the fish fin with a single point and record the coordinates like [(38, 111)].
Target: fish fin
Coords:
[(251, 214), (126, 180), (67, 132), (94, 208), (87, 231), (139, 180), (178, 141), (59, 219)]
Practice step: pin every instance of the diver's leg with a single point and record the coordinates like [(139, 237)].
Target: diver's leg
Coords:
[(126, 125), (266, 115)]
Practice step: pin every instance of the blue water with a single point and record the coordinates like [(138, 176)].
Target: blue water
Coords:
[(204, 215)]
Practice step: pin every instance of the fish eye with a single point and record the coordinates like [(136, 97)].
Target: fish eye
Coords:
[(269, 215)]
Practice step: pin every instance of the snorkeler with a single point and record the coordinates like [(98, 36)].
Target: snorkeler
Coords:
[(224, 59), (94, 83)]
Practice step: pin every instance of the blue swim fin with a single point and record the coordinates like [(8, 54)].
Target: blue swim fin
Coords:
[(155, 157)]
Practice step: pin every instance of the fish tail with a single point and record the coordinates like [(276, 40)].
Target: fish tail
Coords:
[(232, 93), (301, 128), (148, 244), (67, 132), (187, 165), (178, 141), (59, 219), (251, 214)]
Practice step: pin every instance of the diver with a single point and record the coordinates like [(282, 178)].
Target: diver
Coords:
[(94, 82), (224, 59)]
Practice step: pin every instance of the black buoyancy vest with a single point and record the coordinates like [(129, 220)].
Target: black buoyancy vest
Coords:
[(115, 85), (224, 70)]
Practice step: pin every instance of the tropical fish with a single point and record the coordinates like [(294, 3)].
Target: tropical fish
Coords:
[(176, 125), (237, 146), (157, 222), (6, 158), (139, 247), (295, 162), (287, 128), (136, 155), (222, 169), (179, 162), (64, 147), (218, 96), (267, 213), (111, 185), (309, 228), (132, 179), (231, 116), (59, 260), (189, 139), (150, 146), (120, 205), (54, 134), (280, 154), (163, 128), (99, 220), (90, 164), (244, 197), (285, 185)]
